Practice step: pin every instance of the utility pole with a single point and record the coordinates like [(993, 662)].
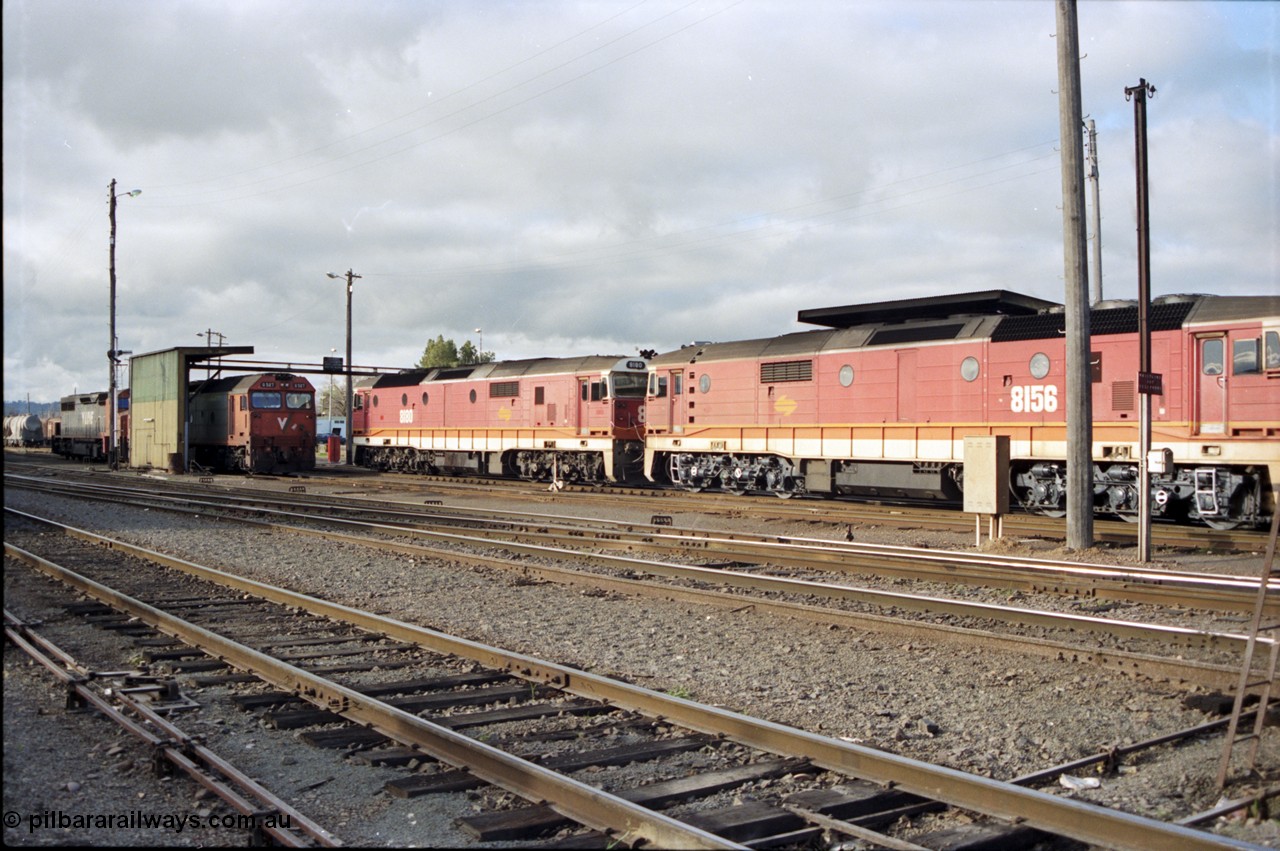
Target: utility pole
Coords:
[(1147, 383), (351, 278), (1079, 387), (113, 452), (1095, 281), (208, 335)]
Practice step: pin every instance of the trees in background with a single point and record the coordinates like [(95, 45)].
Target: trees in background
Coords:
[(442, 352)]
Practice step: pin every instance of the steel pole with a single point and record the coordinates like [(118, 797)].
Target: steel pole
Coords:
[(350, 286), (1139, 94)]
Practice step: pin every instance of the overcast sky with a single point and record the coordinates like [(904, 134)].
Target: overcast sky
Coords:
[(596, 177)]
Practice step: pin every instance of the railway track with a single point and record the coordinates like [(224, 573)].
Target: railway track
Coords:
[(1204, 656), (834, 786), (655, 500), (660, 536), (141, 705)]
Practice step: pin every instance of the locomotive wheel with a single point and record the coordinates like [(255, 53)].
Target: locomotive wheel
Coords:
[(1220, 525)]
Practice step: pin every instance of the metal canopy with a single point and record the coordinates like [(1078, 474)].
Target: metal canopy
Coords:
[(987, 303)]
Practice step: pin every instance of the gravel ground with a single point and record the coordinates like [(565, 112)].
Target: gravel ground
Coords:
[(984, 712)]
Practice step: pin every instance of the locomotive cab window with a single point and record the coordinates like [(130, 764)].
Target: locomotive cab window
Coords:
[(1271, 350), (628, 385), (265, 399), (657, 386), (1211, 356), (298, 401), (1244, 357)]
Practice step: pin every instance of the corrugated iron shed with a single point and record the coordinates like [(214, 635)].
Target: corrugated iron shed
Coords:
[(158, 403)]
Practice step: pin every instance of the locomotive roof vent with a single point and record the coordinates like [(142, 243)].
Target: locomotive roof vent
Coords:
[(1180, 298)]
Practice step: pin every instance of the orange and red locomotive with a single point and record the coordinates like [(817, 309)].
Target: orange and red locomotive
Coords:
[(880, 405), (262, 423), (543, 419)]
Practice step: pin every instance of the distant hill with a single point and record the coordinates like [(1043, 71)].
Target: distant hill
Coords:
[(40, 409)]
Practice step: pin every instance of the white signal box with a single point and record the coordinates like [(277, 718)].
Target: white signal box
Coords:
[(986, 474)]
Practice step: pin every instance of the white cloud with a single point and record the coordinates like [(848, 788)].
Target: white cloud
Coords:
[(580, 178)]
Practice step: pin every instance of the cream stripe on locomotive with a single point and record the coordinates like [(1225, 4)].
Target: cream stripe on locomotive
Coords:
[(495, 441)]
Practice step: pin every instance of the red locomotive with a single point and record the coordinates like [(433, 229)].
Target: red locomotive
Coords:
[(263, 423), (557, 419), (880, 407)]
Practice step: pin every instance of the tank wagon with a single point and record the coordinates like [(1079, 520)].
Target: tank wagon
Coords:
[(261, 423), (23, 430), (881, 408), (82, 429), (543, 419)]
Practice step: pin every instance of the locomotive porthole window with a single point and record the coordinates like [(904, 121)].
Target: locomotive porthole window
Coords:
[(1039, 365), (375, 401), (704, 383), (846, 375), (473, 395), (424, 397), (404, 398), (969, 369)]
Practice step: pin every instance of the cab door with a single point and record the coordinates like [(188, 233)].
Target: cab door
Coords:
[(678, 411), (584, 403), (1211, 385)]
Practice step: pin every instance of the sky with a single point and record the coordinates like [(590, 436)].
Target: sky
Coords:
[(579, 178)]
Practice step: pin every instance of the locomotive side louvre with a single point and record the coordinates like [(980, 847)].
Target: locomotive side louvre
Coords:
[(261, 423), (883, 409), (574, 419)]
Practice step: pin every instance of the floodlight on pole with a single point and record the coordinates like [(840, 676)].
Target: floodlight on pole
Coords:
[(113, 352), (351, 278), (480, 356)]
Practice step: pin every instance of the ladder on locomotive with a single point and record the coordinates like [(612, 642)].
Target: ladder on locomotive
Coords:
[(1264, 682)]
